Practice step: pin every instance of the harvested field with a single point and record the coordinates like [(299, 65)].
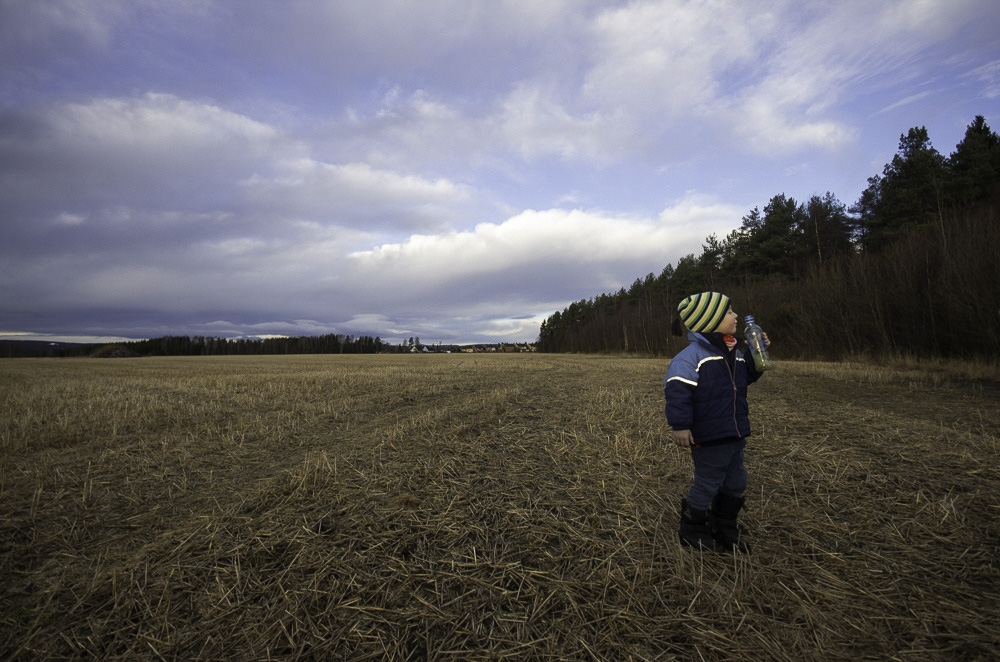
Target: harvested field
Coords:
[(481, 507)]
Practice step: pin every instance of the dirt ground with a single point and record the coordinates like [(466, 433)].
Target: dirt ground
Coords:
[(475, 507)]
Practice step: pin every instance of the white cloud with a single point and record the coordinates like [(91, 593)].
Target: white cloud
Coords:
[(656, 57), (913, 98), (534, 124), (988, 77), (511, 330), (770, 127), (593, 250), (68, 219), (156, 124), (795, 99), (353, 193), (777, 78), (60, 338)]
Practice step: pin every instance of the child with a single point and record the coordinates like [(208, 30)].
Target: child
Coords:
[(706, 405)]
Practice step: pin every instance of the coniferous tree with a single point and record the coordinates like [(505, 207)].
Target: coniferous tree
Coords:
[(780, 244), (827, 228), (974, 166), (910, 191)]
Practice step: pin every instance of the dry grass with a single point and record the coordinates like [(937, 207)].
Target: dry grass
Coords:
[(488, 507)]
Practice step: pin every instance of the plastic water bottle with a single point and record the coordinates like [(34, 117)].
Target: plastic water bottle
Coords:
[(758, 348)]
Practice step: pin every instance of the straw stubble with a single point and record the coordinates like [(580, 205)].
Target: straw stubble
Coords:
[(482, 507)]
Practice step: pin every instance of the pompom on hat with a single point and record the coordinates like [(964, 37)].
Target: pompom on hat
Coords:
[(702, 313)]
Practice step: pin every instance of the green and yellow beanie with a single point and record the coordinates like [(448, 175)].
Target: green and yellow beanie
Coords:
[(703, 312)]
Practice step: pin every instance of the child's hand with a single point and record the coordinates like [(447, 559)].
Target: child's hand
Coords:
[(767, 343), (683, 438)]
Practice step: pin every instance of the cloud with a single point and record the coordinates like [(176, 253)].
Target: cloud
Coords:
[(534, 124), (775, 79), (567, 251), (355, 194), (156, 171), (495, 280), (28, 26), (153, 122), (652, 78), (310, 167), (669, 57), (61, 338), (154, 150), (988, 77), (812, 68), (913, 98)]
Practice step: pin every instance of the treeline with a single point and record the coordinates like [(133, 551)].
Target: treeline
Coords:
[(205, 346), (910, 268), (208, 346)]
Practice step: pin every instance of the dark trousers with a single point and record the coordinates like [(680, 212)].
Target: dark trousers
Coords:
[(718, 467)]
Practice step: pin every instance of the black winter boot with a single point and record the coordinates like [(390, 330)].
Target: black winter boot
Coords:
[(696, 529), (725, 509)]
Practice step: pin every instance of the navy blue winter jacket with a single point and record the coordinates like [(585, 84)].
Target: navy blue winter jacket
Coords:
[(706, 391)]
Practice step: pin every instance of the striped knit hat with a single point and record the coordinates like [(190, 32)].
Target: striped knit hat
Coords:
[(703, 312)]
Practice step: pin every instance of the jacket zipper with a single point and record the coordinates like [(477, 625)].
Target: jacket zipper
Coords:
[(732, 380)]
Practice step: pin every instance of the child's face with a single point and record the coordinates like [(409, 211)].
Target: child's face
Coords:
[(728, 323)]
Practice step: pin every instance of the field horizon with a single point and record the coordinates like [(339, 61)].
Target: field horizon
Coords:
[(476, 507)]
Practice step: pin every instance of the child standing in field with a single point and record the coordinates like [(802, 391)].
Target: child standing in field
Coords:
[(706, 406)]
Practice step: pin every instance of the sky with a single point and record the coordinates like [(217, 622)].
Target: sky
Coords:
[(450, 170)]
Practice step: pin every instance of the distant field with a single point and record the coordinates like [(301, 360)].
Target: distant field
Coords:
[(473, 507)]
